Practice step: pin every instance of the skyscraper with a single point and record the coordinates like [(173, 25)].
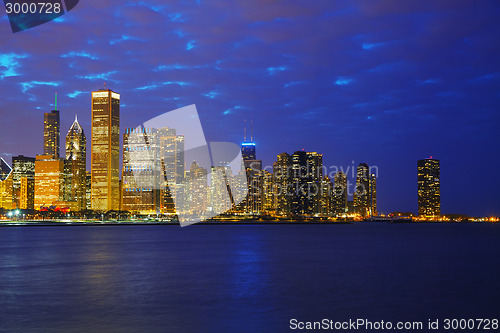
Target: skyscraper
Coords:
[(5, 169), (429, 196), (248, 148), (105, 156), (220, 181), (51, 181), (76, 154), (307, 173), (362, 193), (197, 189), (314, 183), (339, 196), (51, 133), (365, 195), (373, 195), (253, 202), (282, 184), (23, 167), (268, 200), (5, 185), (171, 151), (142, 171), (248, 151), (325, 201)]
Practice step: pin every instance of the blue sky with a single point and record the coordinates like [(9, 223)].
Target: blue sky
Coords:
[(381, 82)]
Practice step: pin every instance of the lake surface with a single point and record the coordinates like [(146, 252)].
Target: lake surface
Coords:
[(243, 278)]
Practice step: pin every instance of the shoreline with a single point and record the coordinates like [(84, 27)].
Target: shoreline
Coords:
[(244, 222)]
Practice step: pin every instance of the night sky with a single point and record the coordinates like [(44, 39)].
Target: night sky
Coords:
[(381, 82)]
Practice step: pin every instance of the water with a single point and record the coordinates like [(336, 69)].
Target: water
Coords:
[(243, 278)]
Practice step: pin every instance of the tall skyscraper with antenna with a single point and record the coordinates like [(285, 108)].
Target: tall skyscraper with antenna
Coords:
[(51, 132), (248, 148)]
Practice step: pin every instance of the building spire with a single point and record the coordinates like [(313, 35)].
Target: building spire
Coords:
[(76, 117), (251, 129), (245, 131)]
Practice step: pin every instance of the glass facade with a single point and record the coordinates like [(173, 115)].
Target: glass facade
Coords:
[(339, 197), (429, 195), (23, 167), (51, 133), (105, 156), (76, 154)]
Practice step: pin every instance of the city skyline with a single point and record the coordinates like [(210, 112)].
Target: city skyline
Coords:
[(158, 151), (153, 177), (357, 84)]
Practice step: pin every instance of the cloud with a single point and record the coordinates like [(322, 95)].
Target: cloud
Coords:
[(124, 38), (28, 85), (190, 45), (369, 46), (211, 94), (343, 81), (75, 93), (428, 81), (293, 83), (80, 54), (99, 76), (160, 84), (176, 17), (274, 70), (9, 64), (231, 110)]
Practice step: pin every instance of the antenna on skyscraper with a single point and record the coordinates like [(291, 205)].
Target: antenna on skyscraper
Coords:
[(55, 102), (251, 129), (245, 131)]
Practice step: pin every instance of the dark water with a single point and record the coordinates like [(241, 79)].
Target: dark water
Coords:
[(247, 278)]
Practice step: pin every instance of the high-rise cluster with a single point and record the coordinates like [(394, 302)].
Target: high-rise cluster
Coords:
[(157, 178)]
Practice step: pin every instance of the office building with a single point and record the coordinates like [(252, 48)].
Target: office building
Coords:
[(23, 167), (5, 185), (306, 176), (326, 200), (314, 182), (267, 193), (220, 194), (76, 154), (339, 196), (88, 190), (282, 184), (171, 148), (51, 133), (5, 169), (197, 188), (248, 151), (429, 195), (142, 172), (253, 202), (105, 150), (373, 195), (52, 182)]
